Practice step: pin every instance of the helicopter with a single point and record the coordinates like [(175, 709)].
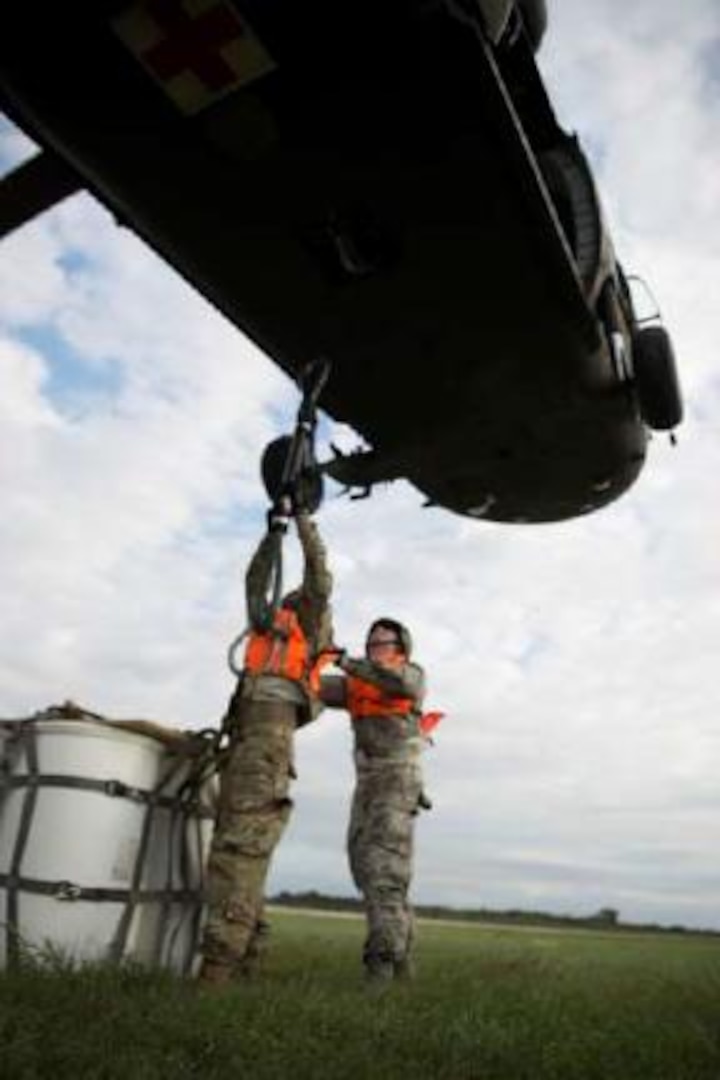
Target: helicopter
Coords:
[(383, 184)]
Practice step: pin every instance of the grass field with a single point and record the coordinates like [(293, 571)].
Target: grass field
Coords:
[(487, 1004)]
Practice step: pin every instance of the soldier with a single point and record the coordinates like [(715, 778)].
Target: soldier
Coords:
[(383, 694), (273, 697)]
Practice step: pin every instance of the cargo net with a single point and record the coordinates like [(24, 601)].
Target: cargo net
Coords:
[(174, 822)]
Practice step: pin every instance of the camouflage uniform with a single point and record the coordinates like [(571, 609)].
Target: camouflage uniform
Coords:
[(254, 804), (385, 804)]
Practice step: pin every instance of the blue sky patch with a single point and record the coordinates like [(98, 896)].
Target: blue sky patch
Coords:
[(73, 261), (74, 386)]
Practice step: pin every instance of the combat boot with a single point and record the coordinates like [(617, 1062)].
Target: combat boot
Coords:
[(215, 974)]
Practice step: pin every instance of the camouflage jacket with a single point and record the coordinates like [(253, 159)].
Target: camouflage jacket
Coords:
[(313, 610), (381, 738)]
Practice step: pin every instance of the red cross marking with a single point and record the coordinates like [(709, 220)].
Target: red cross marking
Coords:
[(193, 43)]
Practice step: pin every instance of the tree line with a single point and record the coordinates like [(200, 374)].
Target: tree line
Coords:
[(606, 918)]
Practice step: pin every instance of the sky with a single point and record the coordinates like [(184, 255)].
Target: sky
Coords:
[(577, 767)]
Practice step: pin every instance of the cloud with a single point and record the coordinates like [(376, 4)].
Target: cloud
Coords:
[(15, 146), (576, 662), (112, 501)]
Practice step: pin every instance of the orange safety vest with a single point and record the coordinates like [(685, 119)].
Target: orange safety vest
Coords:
[(367, 699), (284, 651)]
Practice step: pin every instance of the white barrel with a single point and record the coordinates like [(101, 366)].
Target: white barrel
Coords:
[(104, 834)]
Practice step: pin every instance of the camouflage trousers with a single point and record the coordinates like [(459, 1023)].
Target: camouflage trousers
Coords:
[(380, 848), (253, 811)]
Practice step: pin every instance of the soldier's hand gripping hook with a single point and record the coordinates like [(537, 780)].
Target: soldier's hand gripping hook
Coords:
[(300, 481)]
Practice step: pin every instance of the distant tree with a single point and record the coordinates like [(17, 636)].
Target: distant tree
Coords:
[(607, 916)]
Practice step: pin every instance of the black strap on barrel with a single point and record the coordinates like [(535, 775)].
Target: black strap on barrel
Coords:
[(201, 769), (114, 788), (26, 816), (69, 891)]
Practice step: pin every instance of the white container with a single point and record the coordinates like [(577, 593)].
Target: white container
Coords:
[(104, 835)]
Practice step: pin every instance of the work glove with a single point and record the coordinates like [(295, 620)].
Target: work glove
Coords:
[(277, 520)]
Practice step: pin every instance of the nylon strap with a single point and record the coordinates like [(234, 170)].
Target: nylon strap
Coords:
[(262, 608), (117, 946), (26, 816), (70, 891), (114, 788)]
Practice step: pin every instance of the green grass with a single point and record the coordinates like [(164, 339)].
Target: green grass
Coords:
[(487, 1004)]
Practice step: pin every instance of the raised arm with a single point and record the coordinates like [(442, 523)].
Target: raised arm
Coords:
[(407, 680), (314, 612)]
